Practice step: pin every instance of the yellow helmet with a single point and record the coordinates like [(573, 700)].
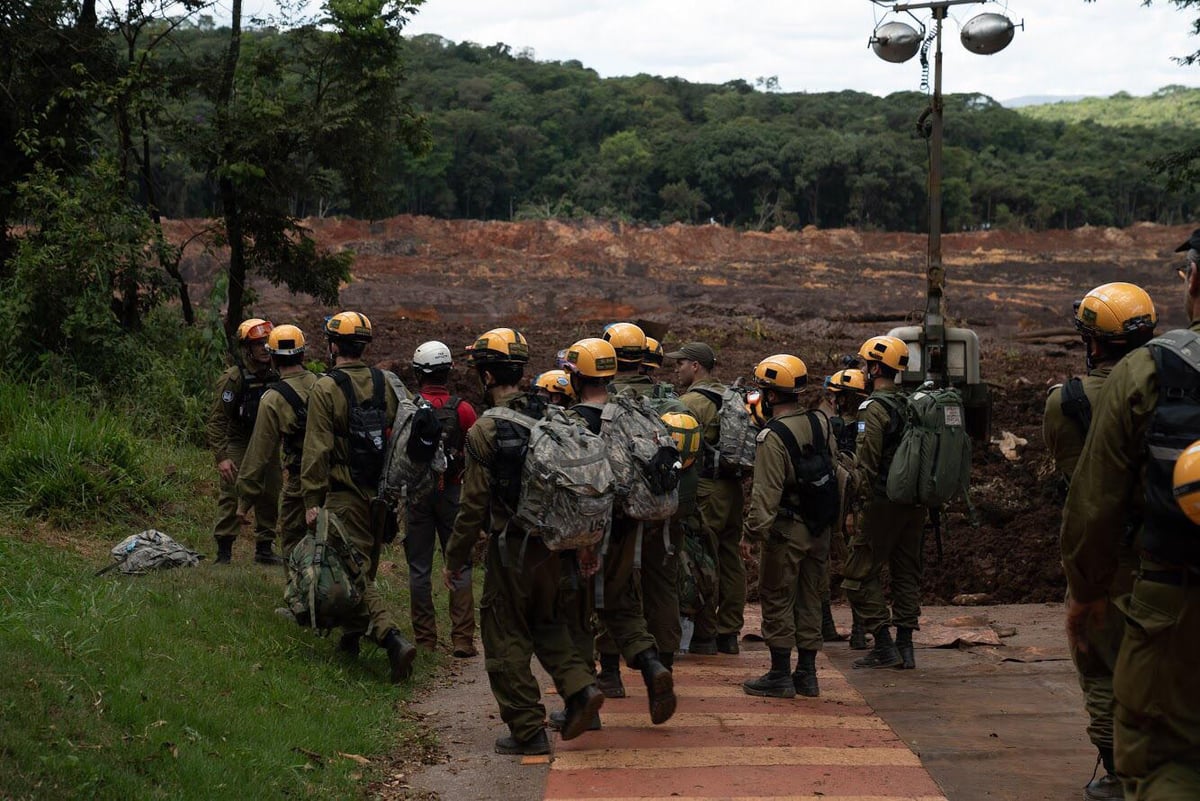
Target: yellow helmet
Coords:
[(781, 372), (555, 381), (685, 430), (349, 325), (286, 340), (499, 346), (654, 353), (252, 329), (592, 358), (847, 380), (629, 341), (1115, 311), (1186, 480), (891, 351)]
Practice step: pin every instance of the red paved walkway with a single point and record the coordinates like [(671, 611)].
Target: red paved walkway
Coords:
[(724, 744)]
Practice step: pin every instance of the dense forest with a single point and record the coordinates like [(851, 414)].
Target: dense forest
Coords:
[(515, 137), (124, 114)]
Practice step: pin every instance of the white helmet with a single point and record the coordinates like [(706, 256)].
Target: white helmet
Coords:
[(431, 357)]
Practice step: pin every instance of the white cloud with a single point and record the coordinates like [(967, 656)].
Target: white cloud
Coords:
[(1068, 47)]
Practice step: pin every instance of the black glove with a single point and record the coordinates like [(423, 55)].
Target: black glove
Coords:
[(424, 435)]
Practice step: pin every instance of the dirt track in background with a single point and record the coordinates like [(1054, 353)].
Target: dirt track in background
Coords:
[(817, 294)]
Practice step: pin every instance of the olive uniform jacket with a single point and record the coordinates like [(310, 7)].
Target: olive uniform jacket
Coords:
[(774, 473), (1063, 435), (276, 422), (873, 453), (476, 512), (224, 427), (326, 450)]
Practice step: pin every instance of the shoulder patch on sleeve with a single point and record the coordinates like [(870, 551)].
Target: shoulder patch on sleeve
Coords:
[(864, 405), (762, 435), (1054, 389), (227, 395)]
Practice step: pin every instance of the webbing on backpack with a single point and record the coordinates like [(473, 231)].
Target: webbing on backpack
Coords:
[(816, 476), (1075, 404), (364, 470)]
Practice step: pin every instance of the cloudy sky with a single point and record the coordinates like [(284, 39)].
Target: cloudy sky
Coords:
[(1068, 47)]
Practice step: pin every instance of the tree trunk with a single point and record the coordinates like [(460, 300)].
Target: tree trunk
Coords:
[(229, 199)]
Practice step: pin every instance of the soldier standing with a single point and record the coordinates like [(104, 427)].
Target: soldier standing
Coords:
[(230, 424), (793, 535), (431, 518), (280, 422), (349, 409), (1113, 320), (719, 505), (889, 533), (520, 612), (1147, 413)]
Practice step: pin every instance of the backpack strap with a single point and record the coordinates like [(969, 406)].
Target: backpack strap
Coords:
[(342, 379), (712, 395), (1075, 404), (1184, 343), (292, 397)]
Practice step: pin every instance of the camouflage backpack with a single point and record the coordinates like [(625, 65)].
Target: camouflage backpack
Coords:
[(645, 460), (697, 577), (150, 550), (566, 487), (412, 464), (323, 576), (737, 434)]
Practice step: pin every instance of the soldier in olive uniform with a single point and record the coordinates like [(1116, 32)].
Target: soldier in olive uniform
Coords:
[(1146, 414), (795, 546), (280, 421), (719, 503), (845, 391), (230, 424), (1113, 320), (658, 585), (333, 474), (593, 363), (889, 533), (520, 613)]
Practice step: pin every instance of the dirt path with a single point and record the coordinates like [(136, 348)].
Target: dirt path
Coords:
[(978, 726)]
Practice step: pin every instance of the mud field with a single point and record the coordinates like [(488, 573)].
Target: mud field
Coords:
[(816, 294)]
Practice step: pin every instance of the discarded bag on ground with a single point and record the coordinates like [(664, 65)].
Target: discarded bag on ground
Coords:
[(150, 550)]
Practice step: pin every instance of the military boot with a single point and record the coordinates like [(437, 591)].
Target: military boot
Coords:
[(883, 655), (348, 643), (536, 745), (224, 550), (1108, 786), (660, 686), (858, 637), (559, 719), (668, 661), (805, 677), (905, 648), (829, 632), (727, 643), (703, 646), (401, 655), (608, 681), (583, 709), (264, 553), (776, 682)]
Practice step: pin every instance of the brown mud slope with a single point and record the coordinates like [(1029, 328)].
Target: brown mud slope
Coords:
[(817, 294)]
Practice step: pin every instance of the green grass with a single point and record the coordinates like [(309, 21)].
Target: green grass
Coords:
[(181, 684)]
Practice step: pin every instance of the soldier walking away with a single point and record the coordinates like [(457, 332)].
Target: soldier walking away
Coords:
[(889, 533), (790, 516), (621, 615), (349, 411), (520, 613), (719, 503), (845, 391), (431, 519), (230, 424), (1113, 320), (280, 423), (1147, 413)]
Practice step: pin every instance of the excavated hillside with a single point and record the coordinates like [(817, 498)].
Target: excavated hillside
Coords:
[(815, 293)]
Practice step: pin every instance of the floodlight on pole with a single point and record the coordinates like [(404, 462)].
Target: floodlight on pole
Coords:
[(897, 42)]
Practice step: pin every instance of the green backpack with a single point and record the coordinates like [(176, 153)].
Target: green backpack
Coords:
[(932, 464), (323, 575)]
